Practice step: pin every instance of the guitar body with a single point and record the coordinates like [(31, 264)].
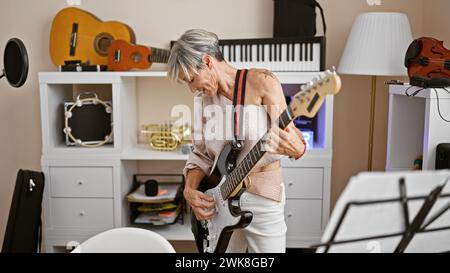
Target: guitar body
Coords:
[(216, 235), (79, 35)]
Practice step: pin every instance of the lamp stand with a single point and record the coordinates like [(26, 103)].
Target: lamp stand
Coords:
[(372, 121)]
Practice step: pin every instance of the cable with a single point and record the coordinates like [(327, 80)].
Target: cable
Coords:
[(437, 101), (415, 92)]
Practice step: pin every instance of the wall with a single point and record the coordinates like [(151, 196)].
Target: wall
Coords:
[(159, 21)]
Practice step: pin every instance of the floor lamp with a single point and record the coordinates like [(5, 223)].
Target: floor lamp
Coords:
[(376, 47)]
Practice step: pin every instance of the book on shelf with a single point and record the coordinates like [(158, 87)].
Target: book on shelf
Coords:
[(158, 218)]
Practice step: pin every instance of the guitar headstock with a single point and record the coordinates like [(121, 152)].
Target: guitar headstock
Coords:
[(308, 101)]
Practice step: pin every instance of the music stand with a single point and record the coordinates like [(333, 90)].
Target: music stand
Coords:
[(391, 212)]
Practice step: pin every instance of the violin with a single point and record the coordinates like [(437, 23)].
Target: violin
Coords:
[(428, 58)]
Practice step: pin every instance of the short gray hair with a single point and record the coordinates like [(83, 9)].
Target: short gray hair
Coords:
[(187, 52)]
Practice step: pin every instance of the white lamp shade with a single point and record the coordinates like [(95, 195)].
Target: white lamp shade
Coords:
[(377, 45)]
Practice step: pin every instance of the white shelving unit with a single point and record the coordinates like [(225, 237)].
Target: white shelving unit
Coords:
[(415, 127), (86, 188)]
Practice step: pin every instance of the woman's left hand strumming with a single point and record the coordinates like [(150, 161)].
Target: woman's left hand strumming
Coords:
[(288, 142)]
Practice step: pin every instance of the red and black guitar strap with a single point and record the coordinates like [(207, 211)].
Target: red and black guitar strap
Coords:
[(238, 103)]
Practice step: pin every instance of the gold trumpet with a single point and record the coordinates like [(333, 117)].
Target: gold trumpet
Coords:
[(166, 137)]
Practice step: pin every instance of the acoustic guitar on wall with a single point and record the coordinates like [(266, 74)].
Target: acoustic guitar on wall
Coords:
[(79, 35), (123, 56)]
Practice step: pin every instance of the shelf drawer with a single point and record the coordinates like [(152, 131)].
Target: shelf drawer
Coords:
[(81, 182), (303, 217), (76, 213), (303, 183)]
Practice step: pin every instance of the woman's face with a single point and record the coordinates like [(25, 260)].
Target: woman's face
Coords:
[(205, 81)]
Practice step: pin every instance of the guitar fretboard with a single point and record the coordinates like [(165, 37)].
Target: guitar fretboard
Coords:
[(249, 161)]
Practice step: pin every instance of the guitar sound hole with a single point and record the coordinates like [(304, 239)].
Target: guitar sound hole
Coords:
[(102, 42), (136, 57)]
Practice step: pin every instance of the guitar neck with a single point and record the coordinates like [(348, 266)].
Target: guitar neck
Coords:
[(158, 55), (251, 159)]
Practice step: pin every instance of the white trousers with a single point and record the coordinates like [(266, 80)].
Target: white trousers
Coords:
[(266, 233)]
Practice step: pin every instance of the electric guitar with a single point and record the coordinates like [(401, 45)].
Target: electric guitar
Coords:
[(79, 35), (123, 56), (213, 236)]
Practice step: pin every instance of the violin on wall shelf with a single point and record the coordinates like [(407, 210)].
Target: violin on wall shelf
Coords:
[(427, 57), (428, 63)]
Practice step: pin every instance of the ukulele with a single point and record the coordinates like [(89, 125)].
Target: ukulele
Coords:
[(213, 236), (79, 35), (123, 56)]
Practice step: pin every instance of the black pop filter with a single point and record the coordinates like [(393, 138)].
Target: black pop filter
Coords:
[(15, 61)]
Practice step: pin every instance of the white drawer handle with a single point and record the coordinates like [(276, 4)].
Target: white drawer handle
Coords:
[(80, 182), (82, 213)]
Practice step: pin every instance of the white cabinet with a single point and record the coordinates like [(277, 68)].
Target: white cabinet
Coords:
[(415, 126), (91, 182), (86, 188)]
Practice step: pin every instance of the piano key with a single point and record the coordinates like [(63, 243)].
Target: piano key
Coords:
[(266, 53), (297, 53), (258, 47), (274, 56), (300, 55), (293, 52), (234, 53), (283, 63), (288, 52), (263, 56), (279, 53), (240, 53), (245, 54), (311, 52), (253, 55), (316, 57), (270, 52), (225, 53), (306, 52), (238, 56)]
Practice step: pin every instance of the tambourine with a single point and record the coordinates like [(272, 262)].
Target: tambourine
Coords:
[(88, 121)]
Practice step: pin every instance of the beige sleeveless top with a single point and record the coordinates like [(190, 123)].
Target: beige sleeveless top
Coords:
[(215, 113)]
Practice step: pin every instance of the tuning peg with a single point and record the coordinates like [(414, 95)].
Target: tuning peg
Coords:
[(333, 70), (319, 79)]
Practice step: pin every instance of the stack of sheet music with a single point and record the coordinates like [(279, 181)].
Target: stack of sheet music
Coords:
[(161, 209)]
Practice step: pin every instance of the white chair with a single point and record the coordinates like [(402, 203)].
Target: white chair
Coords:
[(134, 240)]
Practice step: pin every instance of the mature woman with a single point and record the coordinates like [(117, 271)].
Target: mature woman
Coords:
[(196, 59)]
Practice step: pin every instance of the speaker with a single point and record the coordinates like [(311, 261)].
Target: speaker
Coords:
[(443, 156), (151, 187)]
